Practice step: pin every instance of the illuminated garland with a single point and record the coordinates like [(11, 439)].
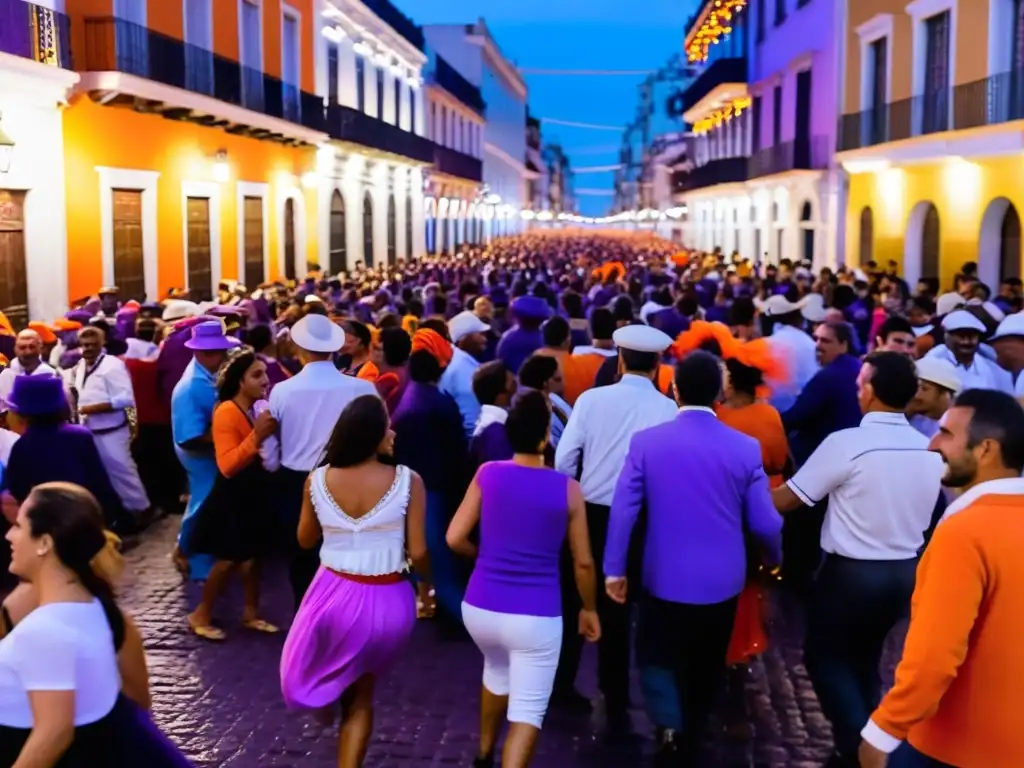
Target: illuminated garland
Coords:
[(723, 115), (715, 23)]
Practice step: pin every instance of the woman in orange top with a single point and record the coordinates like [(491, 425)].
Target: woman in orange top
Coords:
[(235, 524)]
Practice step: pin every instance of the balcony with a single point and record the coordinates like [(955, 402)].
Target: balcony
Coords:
[(799, 155), (726, 65), (992, 101), (728, 170), (397, 20), (350, 125), (453, 163), (447, 77), (36, 33)]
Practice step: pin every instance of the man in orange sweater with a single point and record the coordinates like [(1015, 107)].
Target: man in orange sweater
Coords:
[(957, 692)]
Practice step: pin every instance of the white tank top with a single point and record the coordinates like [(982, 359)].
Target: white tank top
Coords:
[(372, 545)]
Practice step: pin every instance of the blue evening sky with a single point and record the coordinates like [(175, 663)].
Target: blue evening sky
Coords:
[(576, 34)]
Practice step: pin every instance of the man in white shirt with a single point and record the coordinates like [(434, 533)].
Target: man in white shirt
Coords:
[(468, 340), (28, 348), (593, 448), (882, 484), (104, 393), (794, 345), (962, 350), (1008, 342), (938, 384), (307, 407)]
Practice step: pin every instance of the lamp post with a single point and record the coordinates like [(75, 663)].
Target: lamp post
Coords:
[(6, 149)]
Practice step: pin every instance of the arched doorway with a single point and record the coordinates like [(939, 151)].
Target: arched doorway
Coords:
[(392, 232), (807, 230), (921, 249), (867, 235), (368, 229), (338, 259), (289, 239), (999, 243), (408, 228)]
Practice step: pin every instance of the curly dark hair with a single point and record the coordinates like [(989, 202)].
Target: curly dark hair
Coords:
[(232, 371)]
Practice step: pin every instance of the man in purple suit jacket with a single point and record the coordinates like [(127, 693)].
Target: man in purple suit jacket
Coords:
[(694, 564)]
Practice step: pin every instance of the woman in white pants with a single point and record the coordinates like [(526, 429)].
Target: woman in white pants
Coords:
[(513, 607)]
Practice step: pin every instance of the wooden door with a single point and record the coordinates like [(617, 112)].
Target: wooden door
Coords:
[(129, 264), (13, 272), (200, 272), (930, 244), (253, 212), (289, 239)]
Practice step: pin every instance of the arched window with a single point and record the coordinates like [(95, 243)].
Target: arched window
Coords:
[(1009, 246), (408, 227), (368, 229), (289, 239), (930, 244), (867, 235), (338, 250), (392, 232)]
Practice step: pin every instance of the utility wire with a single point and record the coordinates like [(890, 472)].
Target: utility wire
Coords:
[(597, 168), (587, 72), (591, 126), (595, 192)]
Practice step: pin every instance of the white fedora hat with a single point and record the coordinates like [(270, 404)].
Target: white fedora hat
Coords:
[(316, 333), (779, 305)]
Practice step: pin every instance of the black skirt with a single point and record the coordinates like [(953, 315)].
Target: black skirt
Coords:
[(125, 738), (236, 521)]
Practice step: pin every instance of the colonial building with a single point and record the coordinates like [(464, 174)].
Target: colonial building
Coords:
[(763, 113), (471, 49), (35, 79), (455, 211), (932, 135), (370, 61)]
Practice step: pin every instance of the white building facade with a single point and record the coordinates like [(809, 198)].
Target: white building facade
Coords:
[(34, 84), (369, 70), (473, 52)]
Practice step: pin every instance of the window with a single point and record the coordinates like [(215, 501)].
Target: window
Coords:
[(398, 102), (129, 265), (198, 249), (408, 227), (444, 127), (392, 232), (762, 14), (290, 65), (361, 83), (253, 242), (332, 73), (252, 56), (755, 124), (198, 25), (936, 74), (878, 73), (777, 115), (338, 259), (412, 110), (780, 12), (368, 230), (13, 266), (289, 239), (380, 93)]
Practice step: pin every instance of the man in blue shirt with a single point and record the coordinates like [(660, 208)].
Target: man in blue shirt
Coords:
[(467, 334)]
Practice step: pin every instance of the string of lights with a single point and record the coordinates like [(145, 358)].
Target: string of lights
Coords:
[(585, 72)]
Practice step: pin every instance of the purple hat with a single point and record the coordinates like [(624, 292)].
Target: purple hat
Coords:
[(37, 395), (79, 316), (531, 308), (209, 336)]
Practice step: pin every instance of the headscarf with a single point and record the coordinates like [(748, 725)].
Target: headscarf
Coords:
[(431, 341)]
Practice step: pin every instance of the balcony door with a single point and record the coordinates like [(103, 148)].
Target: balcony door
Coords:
[(338, 260), (802, 136), (199, 46), (129, 266), (131, 38), (935, 107), (200, 274), (251, 31), (13, 270), (290, 66)]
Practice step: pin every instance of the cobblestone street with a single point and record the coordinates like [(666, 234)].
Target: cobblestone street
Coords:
[(222, 703)]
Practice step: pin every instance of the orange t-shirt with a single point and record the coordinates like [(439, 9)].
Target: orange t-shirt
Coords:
[(234, 440), (763, 423)]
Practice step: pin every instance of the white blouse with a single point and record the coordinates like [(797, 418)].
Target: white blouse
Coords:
[(372, 545), (59, 647)]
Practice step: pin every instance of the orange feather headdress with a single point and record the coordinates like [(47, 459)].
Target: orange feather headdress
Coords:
[(757, 353)]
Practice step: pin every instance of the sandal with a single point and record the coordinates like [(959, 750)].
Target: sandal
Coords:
[(259, 625), (208, 632)]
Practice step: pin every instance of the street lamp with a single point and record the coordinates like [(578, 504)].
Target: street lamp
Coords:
[(6, 149)]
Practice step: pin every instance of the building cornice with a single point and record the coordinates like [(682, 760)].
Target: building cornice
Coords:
[(35, 83), (508, 71), (360, 23)]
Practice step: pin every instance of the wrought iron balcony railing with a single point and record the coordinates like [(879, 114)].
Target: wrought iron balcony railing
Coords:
[(994, 100), (348, 124), (454, 163), (727, 170), (446, 76), (35, 32), (801, 154)]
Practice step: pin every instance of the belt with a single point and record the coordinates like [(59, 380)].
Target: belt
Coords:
[(108, 430), (358, 578)]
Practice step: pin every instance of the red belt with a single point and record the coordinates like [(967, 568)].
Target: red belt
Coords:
[(387, 578)]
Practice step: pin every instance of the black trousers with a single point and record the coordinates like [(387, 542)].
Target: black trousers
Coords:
[(161, 473), (691, 641), (303, 563), (801, 548), (613, 649), (854, 605)]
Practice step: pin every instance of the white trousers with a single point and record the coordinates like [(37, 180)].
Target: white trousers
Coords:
[(116, 453), (520, 658)]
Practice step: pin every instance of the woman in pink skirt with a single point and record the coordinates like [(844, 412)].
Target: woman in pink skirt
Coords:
[(360, 609)]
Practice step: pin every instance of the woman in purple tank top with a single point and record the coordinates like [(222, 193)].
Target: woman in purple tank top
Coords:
[(513, 606)]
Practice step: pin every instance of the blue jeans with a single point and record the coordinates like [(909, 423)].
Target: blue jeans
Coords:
[(854, 605), (908, 757)]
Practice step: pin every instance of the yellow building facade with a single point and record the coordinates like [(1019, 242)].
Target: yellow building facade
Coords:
[(932, 136)]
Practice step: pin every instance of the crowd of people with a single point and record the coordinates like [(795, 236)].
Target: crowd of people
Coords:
[(558, 438)]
